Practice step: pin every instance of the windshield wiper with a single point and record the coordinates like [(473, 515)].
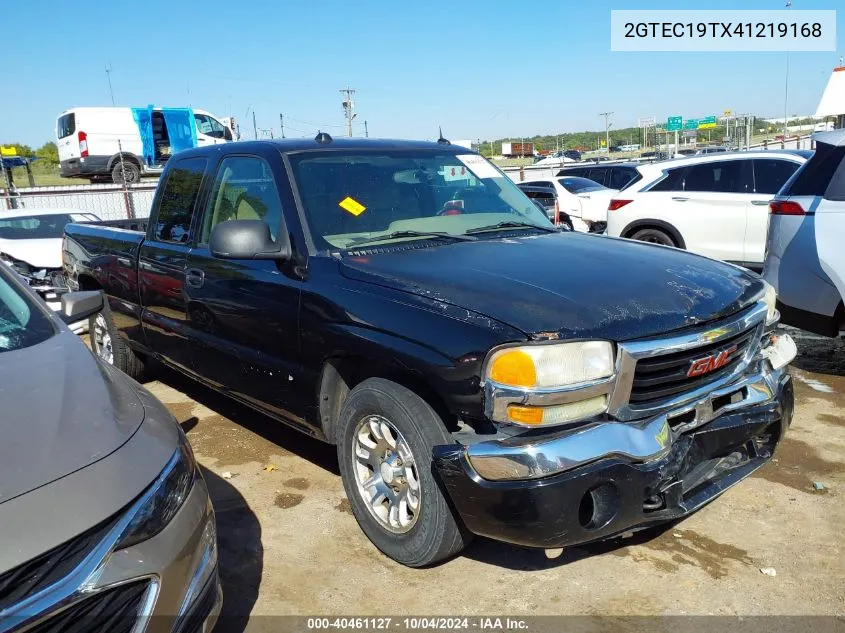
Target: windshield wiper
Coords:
[(513, 224), (399, 234)]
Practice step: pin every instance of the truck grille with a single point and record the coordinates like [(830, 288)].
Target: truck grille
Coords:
[(657, 378), (113, 610)]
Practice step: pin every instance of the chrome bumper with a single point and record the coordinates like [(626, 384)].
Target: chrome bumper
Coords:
[(639, 441)]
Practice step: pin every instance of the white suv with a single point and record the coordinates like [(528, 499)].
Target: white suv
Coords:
[(715, 205), (805, 259)]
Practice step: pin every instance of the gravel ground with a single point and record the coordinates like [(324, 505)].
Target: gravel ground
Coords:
[(289, 544)]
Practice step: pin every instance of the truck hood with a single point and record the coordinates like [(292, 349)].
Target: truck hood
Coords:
[(571, 284), (62, 411), (45, 253)]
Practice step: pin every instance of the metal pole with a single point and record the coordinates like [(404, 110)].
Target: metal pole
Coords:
[(282, 124), (254, 126), (108, 74), (366, 130), (786, 86)]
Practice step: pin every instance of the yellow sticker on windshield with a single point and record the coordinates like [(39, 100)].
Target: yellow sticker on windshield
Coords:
[(353, 206)]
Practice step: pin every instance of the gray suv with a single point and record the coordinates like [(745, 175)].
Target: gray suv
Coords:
[(105, 517)]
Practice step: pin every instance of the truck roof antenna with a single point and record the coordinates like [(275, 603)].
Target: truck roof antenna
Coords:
[(323, 138), (441, 140)]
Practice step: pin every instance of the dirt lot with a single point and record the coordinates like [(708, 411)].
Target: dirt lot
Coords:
[(289, 545)]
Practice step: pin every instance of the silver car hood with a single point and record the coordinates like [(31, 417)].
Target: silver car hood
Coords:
[(62, 410), (80, 441)]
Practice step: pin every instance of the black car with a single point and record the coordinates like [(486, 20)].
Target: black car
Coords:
[(615, 176), (479, 370)]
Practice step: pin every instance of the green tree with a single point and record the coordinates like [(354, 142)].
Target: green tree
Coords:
[(48, 153)]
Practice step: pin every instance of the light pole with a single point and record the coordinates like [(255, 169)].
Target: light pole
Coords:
[(786, 86), (606, 116)]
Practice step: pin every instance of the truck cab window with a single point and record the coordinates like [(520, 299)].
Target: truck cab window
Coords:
[(243, 190), (209, 126), (178, 198)]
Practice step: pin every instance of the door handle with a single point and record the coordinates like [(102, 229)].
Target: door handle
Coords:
[(760, 203), (194, 277), (679, 199)]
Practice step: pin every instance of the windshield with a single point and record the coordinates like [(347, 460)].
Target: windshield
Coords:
[(352, 197), (22, 324), (38, 227), (580, 185)]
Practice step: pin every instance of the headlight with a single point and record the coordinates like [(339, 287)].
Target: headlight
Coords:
[(163, 498), (770, 296), (562, 375), (551, 366)]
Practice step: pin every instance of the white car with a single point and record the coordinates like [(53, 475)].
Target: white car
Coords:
[(584, 201), (805, 259), (31, 243), (715, 205)]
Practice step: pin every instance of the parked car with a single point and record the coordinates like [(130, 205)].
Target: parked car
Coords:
[(31, 243), (616, 176), (122, 144), (480, 371), (582, 202), (712, 149), (106, 518), (713, 205), (805, 260)]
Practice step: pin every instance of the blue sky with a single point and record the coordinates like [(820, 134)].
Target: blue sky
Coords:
[(480, 68)]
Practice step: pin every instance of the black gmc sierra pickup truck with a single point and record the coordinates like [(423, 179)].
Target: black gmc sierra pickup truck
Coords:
[(480, 370)]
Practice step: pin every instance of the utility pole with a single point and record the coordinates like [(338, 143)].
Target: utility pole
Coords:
[(606, 116), (282, 123), (254, 126), (108, 75), (348, 108), (786, 87), (366, 130)]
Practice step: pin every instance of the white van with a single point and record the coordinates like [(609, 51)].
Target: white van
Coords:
[(91, 141)]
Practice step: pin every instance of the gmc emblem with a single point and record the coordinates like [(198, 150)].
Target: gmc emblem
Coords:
[(710, 363)]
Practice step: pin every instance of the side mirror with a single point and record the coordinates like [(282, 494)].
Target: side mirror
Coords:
[(247, 239), (77, 306)]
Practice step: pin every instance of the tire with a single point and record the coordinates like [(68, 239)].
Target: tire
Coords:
[(653, 236), (110, 348), (432, 534), (126, 172)]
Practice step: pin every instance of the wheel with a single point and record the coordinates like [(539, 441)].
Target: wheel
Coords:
[(108, 346), (385, 436), (653, 236), (126, 172)]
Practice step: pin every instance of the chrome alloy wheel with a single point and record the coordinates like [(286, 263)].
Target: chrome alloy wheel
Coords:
[(386, 474), (101, 340)]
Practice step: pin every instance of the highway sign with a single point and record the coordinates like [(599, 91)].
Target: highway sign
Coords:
[(707, 123), (691, 124), (673, 124)]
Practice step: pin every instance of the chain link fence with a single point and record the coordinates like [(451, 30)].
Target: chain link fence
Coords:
[(108, 202)]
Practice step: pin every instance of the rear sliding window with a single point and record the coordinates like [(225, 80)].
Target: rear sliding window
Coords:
[(822, 175), (66, 125)]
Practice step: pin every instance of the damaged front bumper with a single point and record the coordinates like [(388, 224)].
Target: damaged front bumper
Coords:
[(608, 477)]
